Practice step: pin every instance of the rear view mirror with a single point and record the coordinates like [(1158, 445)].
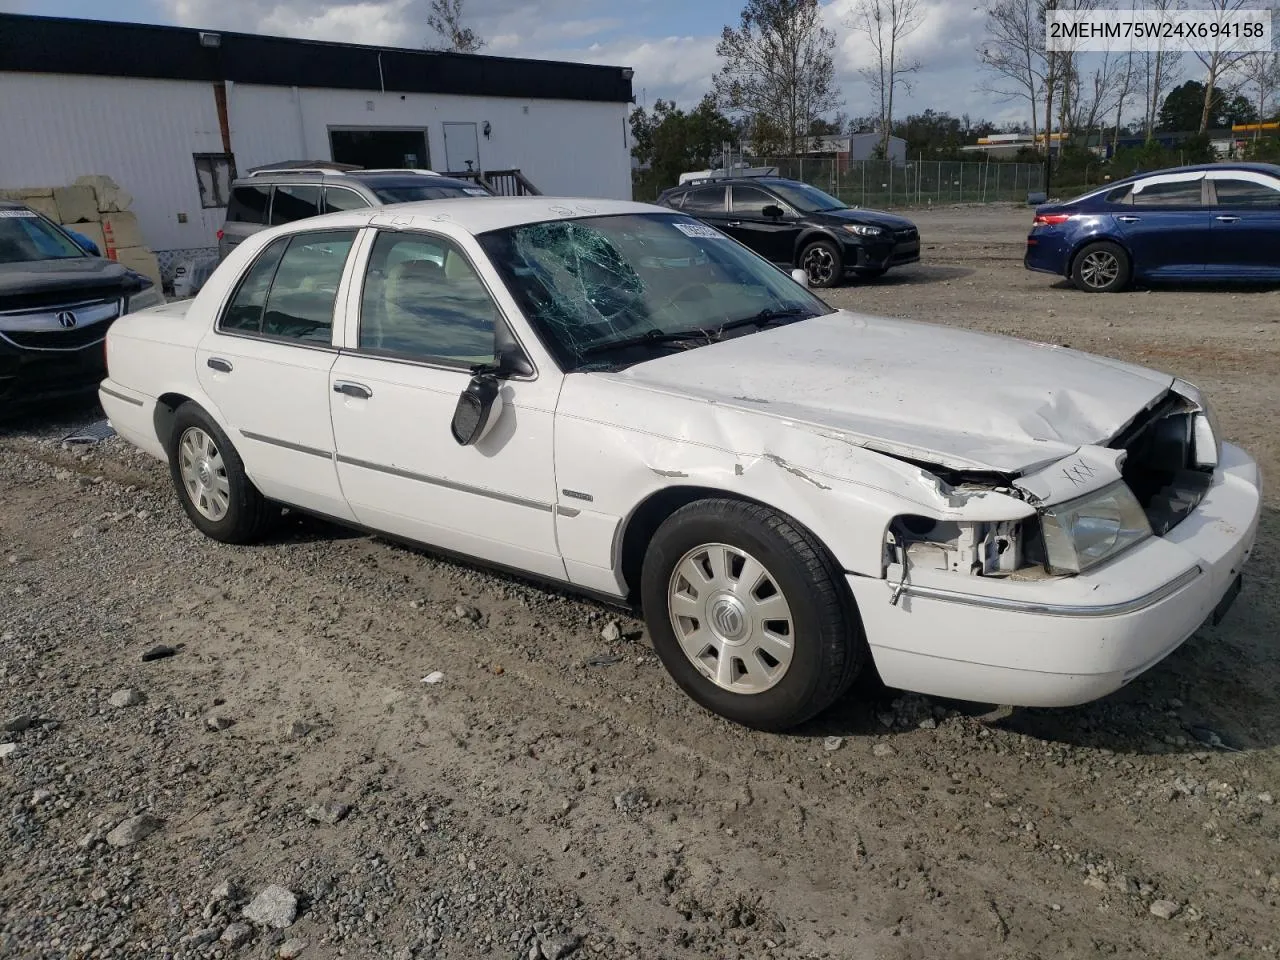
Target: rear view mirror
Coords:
[(800, 277), (477, 411), (773, 211)]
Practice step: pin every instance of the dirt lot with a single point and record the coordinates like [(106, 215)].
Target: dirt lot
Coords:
[(555, 795)]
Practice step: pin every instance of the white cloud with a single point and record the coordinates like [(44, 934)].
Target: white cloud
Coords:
[(678, 67)]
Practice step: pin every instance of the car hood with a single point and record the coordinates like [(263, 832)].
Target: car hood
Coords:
[(875, 218), (927, 393), (73, 275)]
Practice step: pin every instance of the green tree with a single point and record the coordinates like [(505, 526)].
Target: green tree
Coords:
[(1184, 106), (670, 141), (778, 68)]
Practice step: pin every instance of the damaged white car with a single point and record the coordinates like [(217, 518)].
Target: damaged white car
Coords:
[(618, 398)]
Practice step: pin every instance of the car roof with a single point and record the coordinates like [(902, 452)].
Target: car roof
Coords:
[(475, 215), (12, 205), (1268, 168), (744, 181)]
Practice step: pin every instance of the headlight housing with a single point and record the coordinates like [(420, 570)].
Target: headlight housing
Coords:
[(863, 230), (148, 296), (1083, 533), (1206, 438)]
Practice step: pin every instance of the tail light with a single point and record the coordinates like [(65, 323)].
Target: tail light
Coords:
[(220, 234), (1051, 219)]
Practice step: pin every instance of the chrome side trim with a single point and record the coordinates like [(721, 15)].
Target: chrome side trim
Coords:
[(569, 512), (296, 447), (119, 396), (1055, 609), (448, 484)]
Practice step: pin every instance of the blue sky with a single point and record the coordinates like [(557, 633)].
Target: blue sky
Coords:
[(669, 43)]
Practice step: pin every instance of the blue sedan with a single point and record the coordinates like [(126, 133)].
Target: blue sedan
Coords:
[(1213, 222)]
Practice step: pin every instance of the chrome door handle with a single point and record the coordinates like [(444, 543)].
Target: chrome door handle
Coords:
[(733, 223), (1128, 219), (1227, 219), (217, 363), (357, 390)]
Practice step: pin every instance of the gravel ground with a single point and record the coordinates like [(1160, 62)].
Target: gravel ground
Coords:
[(211, 751)]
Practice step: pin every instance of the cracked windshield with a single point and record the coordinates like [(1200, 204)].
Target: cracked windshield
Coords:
[(613, 290)]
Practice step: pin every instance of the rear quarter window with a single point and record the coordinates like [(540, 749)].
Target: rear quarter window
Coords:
[(249, 204)]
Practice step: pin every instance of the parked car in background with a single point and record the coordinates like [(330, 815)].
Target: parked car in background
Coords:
[(58, 297), (282, 193), (616, 398), (793, 224), (1213, 222)]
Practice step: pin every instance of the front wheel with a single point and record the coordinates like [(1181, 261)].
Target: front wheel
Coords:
[(1101, 267), (822, 263), (749, 615)]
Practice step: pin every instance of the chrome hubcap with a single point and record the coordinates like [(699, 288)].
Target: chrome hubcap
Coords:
[(204, 476), (820, 265), (1099, 268), (731, 618)]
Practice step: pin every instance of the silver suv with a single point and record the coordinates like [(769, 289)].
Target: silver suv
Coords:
[(283, 193)]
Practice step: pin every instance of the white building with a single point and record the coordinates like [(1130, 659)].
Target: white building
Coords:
[(172, 113)]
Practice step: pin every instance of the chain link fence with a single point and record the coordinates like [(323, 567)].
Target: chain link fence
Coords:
[(920, 183)]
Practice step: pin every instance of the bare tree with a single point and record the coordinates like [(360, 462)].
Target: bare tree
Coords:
[(1260, 72), (1222, 58), (445, 20), (886, 24), (778, 70), (1015, 53)]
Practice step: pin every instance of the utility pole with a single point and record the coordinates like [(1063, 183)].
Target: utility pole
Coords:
[(1049, 83)]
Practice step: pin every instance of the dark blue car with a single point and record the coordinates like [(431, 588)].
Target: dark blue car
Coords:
[(1214, 222)]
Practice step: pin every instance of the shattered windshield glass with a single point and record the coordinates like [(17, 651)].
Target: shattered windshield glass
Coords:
[(614, 289)]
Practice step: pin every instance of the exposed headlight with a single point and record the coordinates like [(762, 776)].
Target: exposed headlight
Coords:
[(863, 230), (1206, 438), (146, 297), (1082, 533)]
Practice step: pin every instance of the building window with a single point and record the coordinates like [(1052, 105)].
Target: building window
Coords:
[(214, 173)]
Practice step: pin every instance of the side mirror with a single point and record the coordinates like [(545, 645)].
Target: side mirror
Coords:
[(801, 277), (478, 409), (773, 212)]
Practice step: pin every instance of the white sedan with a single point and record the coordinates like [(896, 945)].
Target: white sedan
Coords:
[(619, 399)]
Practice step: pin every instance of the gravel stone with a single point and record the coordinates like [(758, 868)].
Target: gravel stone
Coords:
[(291, 948), (612, 632), (557, 948), (329, 812), (8, 750), (217, 723), (831, 744), (464, 612), (1165, 909), (236, 934), (125, 698), (18, 724), (274, 907), (134, 829), (158, 652), (883, 750)]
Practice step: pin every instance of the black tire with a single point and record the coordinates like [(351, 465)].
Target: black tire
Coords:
[(827, 643), (1101, 267), (248, 515), (823, 263)]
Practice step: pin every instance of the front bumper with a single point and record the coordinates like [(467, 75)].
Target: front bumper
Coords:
[(30, 376), (875, 255), (1066, 641)]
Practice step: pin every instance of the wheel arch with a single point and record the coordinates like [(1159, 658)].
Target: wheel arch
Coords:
[(1100, 238), (639, 526), (810, 235)]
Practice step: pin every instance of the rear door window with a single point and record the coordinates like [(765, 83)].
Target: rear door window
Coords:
[(295, 201), (704, 200), (249, 204), (1177, 193), (337, 199)]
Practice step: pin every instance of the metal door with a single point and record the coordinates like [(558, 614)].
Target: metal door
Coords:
[(461, 147)]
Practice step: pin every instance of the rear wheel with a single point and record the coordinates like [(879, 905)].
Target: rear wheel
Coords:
[(1101, 267), (216, 493), (749, 615), (822, 263)]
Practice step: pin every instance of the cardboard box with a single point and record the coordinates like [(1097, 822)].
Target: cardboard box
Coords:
[(93, 231), (142, 260), (111, 198), (43, 205), (121, 230), (76, 204)]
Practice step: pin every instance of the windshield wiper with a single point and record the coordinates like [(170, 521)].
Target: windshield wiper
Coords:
[(765, 318), (646, 338)]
